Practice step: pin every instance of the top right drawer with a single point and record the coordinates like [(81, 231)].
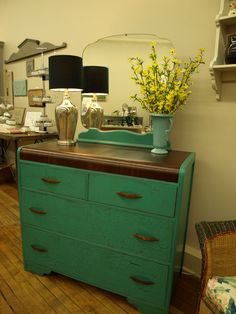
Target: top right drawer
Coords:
[(152, 196)]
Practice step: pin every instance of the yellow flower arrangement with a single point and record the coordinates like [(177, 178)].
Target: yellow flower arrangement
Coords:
[(164, 86)]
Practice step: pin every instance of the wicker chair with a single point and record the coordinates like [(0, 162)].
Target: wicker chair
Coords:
[(217, 241)]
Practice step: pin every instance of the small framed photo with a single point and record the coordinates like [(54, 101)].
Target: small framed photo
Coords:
[(29, 67), (18, 114), (20, 88), (35, 97)]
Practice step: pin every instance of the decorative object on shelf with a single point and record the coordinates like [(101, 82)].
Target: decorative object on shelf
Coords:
[(95, 83), (131, 117), (163, 87), (230, 54), (232, 8), (11, 122), (40, 72), (20, 88), (222, 72), (42, 123), (127, 117), (65, 74), (118, 122), (8, 87), (29, 47), (29, 67), (161, 127), (5, 114)]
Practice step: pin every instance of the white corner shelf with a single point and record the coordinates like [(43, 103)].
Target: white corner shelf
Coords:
[(219, 70), (227, 20)]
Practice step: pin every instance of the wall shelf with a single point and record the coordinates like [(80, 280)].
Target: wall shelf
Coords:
[(227, 20), (219, 70), (40, 101)]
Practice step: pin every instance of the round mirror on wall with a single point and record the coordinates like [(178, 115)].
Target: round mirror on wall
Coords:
[(113, 52)]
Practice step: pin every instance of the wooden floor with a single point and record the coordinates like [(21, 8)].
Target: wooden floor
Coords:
[(23, 292)]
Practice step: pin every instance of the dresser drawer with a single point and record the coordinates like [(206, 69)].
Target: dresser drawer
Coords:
[(142, 194), (126, 275), (132, 232), (55, 179)]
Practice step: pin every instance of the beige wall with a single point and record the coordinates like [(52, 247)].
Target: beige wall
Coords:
[(205, 126)]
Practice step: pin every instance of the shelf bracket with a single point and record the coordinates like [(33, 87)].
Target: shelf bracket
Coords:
[(216, 82)]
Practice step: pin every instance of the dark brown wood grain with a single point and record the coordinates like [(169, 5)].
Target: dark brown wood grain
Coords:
[(137, 162), (25, 136)]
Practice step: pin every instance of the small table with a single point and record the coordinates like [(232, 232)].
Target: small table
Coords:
[(19, 139)]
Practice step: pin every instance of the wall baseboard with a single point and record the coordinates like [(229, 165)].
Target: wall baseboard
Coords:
[(192, 261)]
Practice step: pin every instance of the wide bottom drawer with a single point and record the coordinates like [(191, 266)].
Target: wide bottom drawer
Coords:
[(120, 273)]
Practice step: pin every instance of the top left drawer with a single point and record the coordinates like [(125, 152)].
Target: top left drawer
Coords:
[(55, 179)]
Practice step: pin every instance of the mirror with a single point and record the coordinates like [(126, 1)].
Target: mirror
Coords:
[(113, 52)]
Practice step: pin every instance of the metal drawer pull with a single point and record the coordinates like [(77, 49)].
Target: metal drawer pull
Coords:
[(145, 238), (141, 281), (128, 195), (37, 211), (38, 249), (51, 181)]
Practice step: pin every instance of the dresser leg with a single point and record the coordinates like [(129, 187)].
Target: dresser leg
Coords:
[(145, 308), (37, 269)]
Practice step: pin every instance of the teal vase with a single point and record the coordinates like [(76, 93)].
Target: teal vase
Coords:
[(161, 127)]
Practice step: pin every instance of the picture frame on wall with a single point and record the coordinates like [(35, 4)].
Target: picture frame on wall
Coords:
[(34, 96), (29, 67), (20, 88), (8, 87)]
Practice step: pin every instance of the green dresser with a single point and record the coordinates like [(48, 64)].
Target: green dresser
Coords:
[(109, 215)]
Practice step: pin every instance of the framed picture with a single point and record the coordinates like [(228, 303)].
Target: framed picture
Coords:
[(29, 67), (20, 88), (8, 87), (18, 114), (34, 97)]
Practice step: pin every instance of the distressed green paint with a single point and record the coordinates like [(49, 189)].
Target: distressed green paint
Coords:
[(96, 265), (155, 196), (117, 226), (62, 180), (86, 231)]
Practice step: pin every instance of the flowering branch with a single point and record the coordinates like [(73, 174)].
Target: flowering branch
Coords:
[(164, 87)]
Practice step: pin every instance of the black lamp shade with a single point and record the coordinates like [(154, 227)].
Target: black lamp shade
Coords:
[(65, 72), (95, 80)]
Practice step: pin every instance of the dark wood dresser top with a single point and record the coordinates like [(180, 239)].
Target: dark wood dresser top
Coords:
[(131, 161)]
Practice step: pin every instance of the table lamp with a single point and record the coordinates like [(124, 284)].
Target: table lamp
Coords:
[(95, 82), (65, 74)]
